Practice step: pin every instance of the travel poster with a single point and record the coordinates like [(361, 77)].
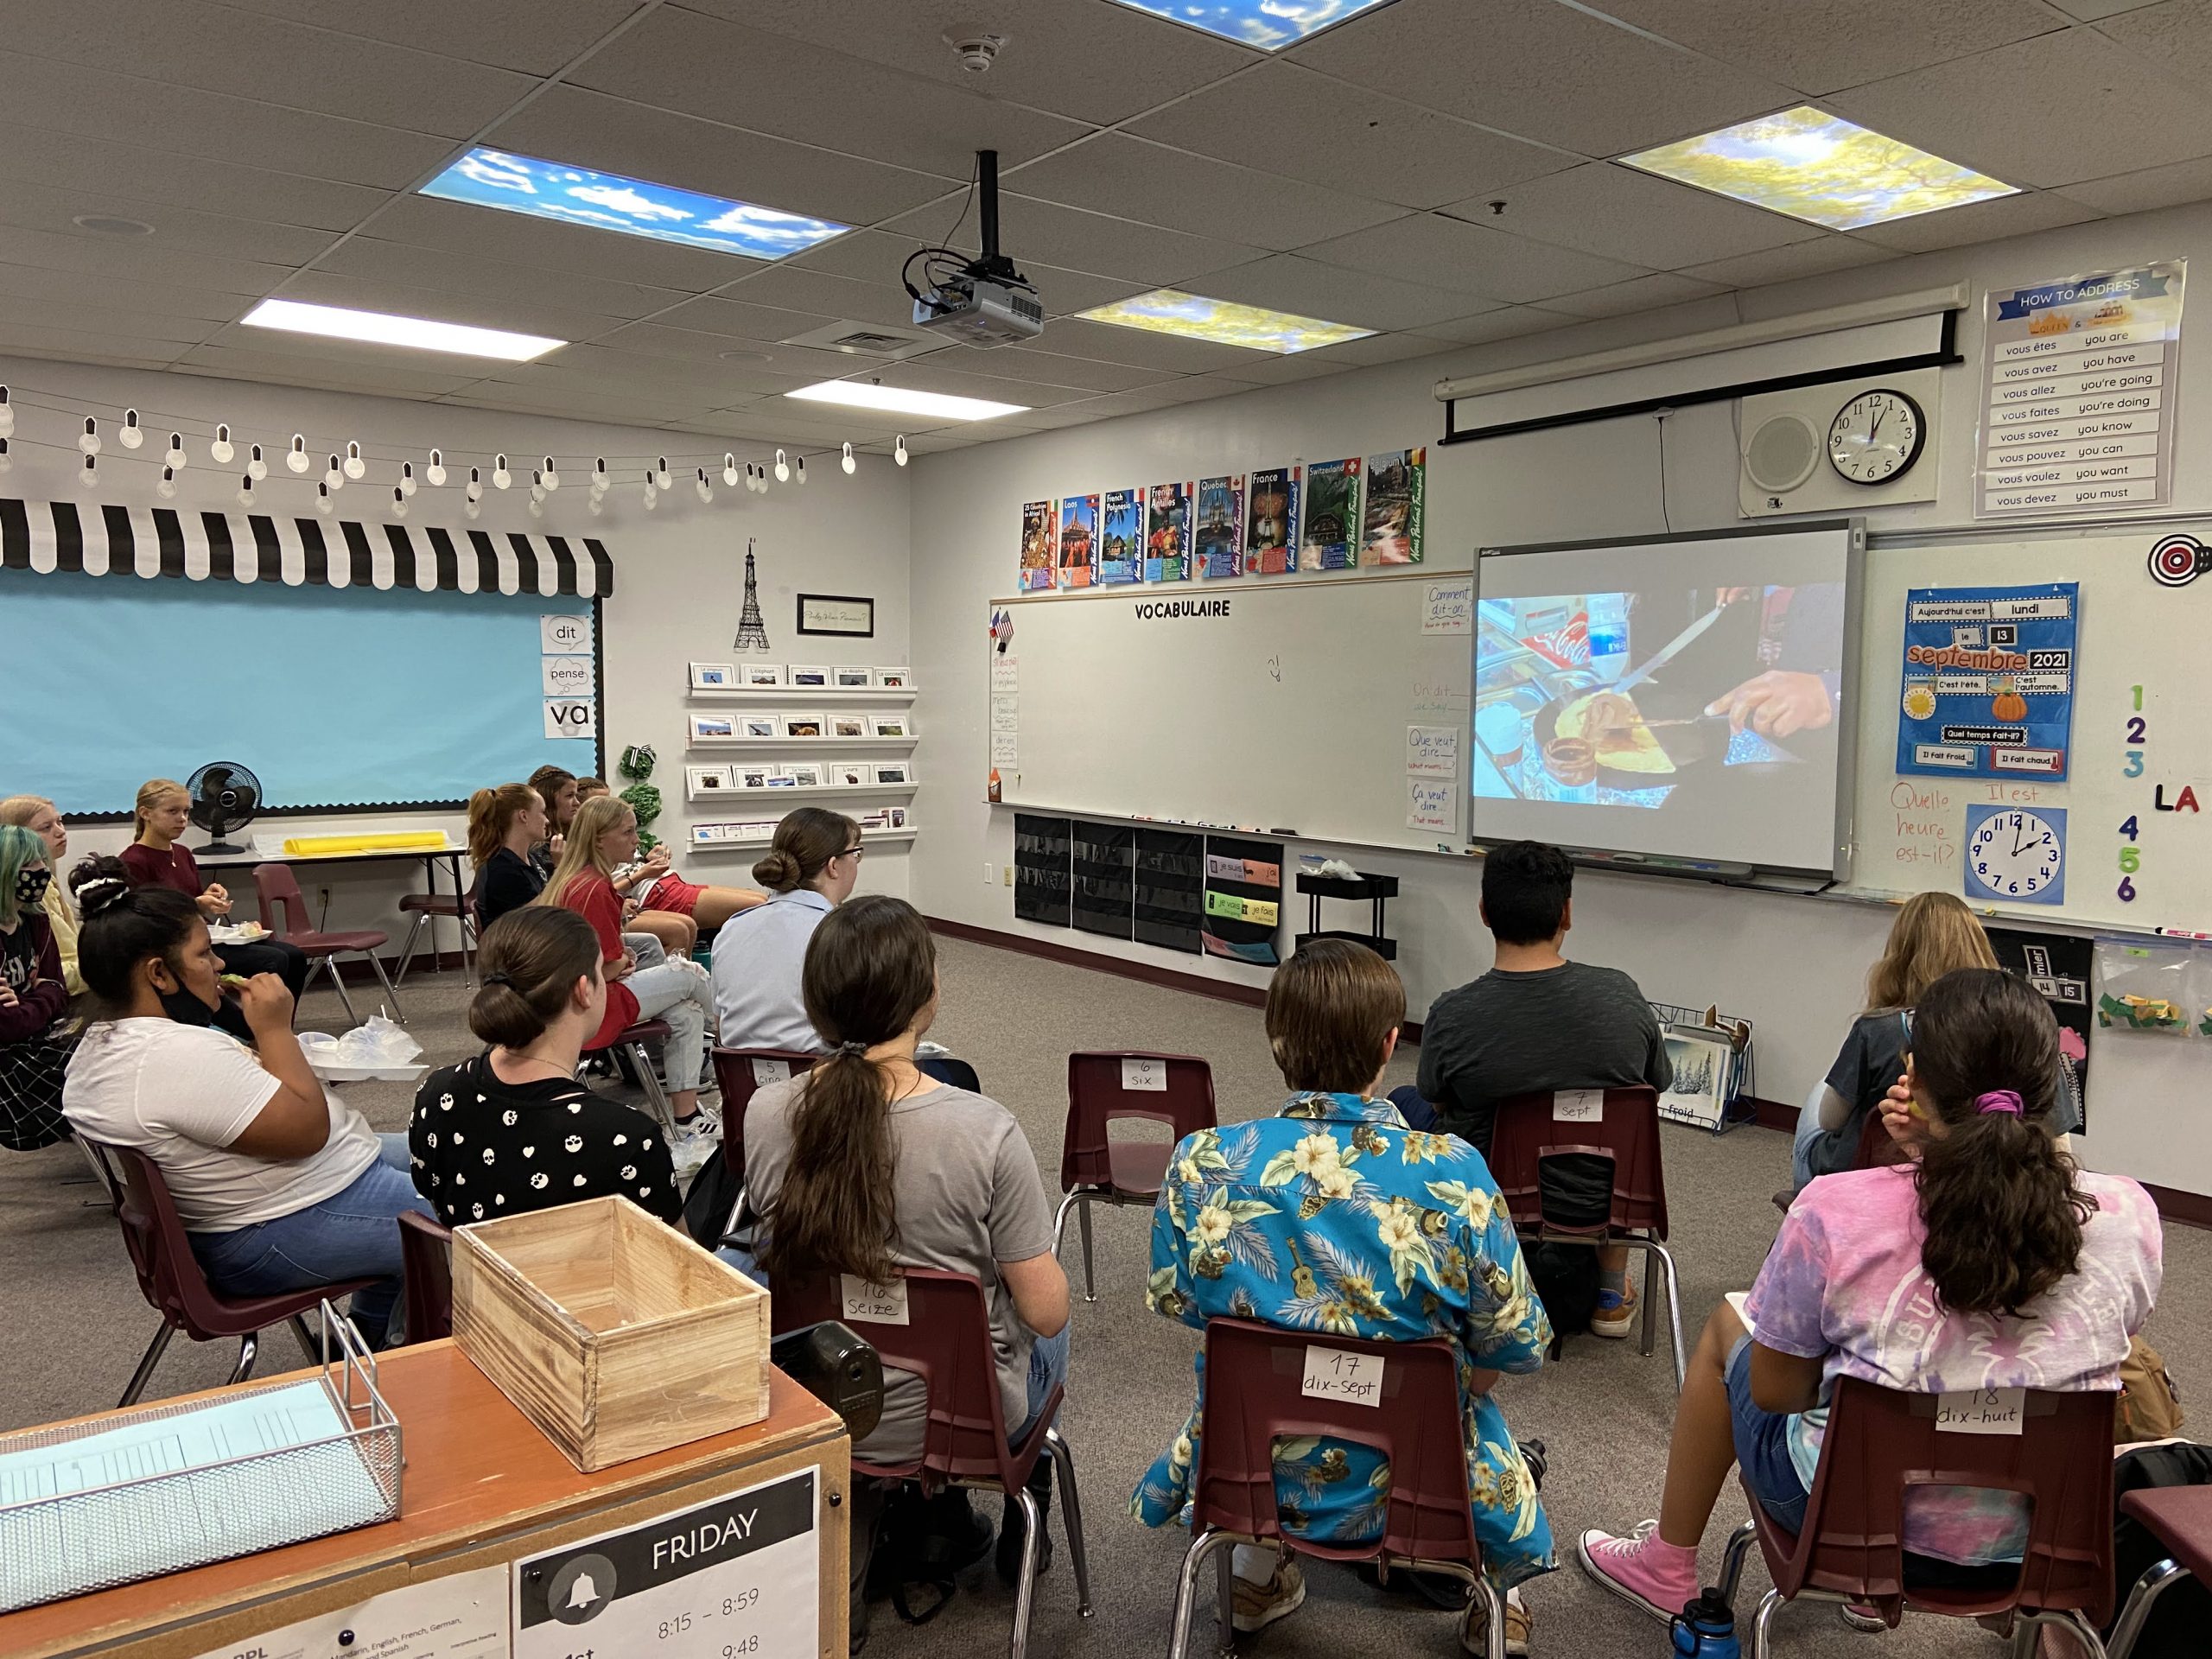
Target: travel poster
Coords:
[(1396, 484), (1220, 527), (1271, 526), (1331, 526), (1167, 533), (1120, 547), (1037, 560), (1988, 681), (1078, 540)]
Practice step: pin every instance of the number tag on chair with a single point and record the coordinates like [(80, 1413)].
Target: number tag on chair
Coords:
[(867, 1304), (1578, 1106), (1333, 1374), (1981, 1411), (1144, 1076), (767, 1071)]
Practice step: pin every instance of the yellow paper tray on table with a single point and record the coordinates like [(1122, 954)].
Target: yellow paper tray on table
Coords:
[(403, 841)]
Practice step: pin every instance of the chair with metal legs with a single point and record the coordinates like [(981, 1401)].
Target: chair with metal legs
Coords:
[(425, 907), (1106, 1087), (2180, 1518), (280, 888), (171, 1278)]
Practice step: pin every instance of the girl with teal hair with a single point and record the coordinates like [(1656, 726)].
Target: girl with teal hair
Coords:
[(35, 1036)]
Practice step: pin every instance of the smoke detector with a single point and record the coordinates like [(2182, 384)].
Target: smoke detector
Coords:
[(977, 52)]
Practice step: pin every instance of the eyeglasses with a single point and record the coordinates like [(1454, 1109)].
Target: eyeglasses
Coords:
[(854, 853)]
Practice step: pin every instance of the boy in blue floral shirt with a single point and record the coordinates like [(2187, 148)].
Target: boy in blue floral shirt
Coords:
[(1334, 1218)]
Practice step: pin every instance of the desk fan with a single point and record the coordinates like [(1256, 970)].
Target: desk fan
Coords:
[(226, 796)]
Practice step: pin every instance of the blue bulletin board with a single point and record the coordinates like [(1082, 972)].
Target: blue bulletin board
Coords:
[(1988, 681), (335, 698)]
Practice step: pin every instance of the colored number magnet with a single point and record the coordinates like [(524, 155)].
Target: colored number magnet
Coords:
[(2016, 856)]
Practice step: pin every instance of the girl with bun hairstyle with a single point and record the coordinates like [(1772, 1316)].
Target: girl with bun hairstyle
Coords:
[(38, 815), (1987, 1260), (602, 835), (511, 1128), (809, 868), (34, 1038), (280, 1186)]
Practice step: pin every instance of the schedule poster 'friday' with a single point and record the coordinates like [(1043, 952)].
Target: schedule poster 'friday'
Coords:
[(1988, 687), (2078, 393)]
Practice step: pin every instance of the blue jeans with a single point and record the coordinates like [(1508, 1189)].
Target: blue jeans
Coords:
[(1048, 1370), (350, 1235), (1763, 1445)]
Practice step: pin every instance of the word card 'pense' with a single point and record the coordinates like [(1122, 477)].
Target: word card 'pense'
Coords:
[(1333, 1374)]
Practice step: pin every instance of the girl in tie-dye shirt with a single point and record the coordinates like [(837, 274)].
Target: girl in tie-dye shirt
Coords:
[(1988, 1261)]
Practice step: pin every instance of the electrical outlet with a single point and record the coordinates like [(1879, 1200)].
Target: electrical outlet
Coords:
[(990, 873), (1009, 875)]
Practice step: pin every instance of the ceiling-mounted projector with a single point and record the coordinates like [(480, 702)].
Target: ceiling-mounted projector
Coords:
[(980, 301)]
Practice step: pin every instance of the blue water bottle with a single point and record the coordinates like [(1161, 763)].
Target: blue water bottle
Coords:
[(1706, 1630)]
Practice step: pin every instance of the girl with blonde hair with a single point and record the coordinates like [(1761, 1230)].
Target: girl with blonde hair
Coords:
[(40, 815)]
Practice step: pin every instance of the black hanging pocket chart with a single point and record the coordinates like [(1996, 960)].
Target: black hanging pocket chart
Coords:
[(1042, 877), (1171, 890), (1104, 892), (1244, 898)]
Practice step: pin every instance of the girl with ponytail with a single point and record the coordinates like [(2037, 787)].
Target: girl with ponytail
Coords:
[(1988, 1261), (865, 1165), (505, 823), (511, 1128)]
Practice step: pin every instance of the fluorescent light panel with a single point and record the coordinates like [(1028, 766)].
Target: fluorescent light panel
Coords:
[(1808, 164), (1193, 316), (897, 400), (611, 201), (378, 328), (1267, 24)]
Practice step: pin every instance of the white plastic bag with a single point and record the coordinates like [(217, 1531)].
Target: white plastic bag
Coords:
[(2145, 988), (379, 1041)]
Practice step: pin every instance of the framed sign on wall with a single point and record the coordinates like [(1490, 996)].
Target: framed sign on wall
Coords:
[(836, 614)]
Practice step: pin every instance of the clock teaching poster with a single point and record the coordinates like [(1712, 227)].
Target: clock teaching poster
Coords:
[(1987, 685)]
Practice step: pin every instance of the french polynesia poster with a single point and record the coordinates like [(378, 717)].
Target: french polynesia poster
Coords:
[(1220, 526), (1036, 545), (1121, 539), (1396, 485), (1078, 540), (1271, 532), (1167, 532), (1332, 516)]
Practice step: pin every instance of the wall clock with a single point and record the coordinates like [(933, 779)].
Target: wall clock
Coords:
[(1877, 436), (2016, 856)]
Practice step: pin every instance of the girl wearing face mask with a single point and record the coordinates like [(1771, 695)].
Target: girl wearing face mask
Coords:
[(37, 814), (35, 1040)]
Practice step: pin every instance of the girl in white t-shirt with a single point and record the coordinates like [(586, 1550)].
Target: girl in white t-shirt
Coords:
[(280, 1186)]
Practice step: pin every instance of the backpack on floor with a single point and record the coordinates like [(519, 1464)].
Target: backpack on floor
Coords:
[(709, 1207), (1566, 1278)]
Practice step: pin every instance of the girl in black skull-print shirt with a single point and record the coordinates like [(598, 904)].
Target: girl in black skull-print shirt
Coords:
[(512, 1129)]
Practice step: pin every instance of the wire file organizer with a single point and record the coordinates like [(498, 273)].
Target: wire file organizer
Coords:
[(1730, 1083), (134, 1495)]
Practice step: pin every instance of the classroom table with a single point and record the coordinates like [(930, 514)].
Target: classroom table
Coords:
[(431, 857), (483, 1486)]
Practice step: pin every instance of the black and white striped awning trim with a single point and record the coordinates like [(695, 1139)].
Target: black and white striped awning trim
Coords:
[(109, 539)]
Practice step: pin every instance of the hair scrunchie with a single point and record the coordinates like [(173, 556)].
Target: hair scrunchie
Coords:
[(501, 979), (850, 1050), (1998, 1100)]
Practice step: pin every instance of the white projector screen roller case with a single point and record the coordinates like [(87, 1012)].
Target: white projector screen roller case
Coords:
[(1688, 698)]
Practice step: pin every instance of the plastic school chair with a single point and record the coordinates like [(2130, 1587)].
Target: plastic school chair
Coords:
[(281, 888), (1879, 1444), (741, 1073), (426, 1276), (424, 906), (2180, 1518), (1096, 1169), (175, 1286), (1533, 1127), (629, 1044), (1255, 1395), (946, 1342)]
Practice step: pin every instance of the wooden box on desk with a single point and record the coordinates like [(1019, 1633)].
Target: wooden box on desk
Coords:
[(613, 1333)]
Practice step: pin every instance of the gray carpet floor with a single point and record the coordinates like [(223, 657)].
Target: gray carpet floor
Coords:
[(74, 1325)]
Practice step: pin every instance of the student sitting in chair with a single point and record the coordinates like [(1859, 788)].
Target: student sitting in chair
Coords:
[(557, 789), (1333, 1216), (809, 868), (1988, 1260), (603, 835), (280, 1184), (511, 1128), (35, 1035), (158, 857), (506, 825), (660, 898), (1537, 1023), (37, 814)]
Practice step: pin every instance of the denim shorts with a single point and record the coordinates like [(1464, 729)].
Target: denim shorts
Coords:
[(1763, 1445)]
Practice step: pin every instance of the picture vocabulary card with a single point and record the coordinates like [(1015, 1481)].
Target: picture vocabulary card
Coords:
[(566, 676), (1981, 1411), (571, 717), (1333, 1374), (563, 634)]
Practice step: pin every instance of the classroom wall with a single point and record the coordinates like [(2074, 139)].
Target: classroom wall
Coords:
[(679, 572), (1794, 965)]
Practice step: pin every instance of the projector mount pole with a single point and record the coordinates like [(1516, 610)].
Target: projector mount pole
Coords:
[(991, 262)]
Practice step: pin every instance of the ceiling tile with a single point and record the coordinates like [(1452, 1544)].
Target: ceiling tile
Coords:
[(1637, 293), (1116, 174), (722, 381), (236, 355), (513, 310), (1049, 368), (579, 250), (2050, 111), (1191, 389), (929, 375), (1280, 371), (139, 258), (813, 423), (1047, 231), (176, 228), (1553, 74), (730, 319), (69, 97), (820, 295), (1980, 221), (1623, 214), (1098, 63), (1285, 119), (119, 293), (66, 313), (1306, 287), (677, 60), (150, 174), (77, 346), (1452, 253), (1503, 324), (2089, 10), (751, 358), (213, 47), (877, 256), (2175, 35), (1822, 254), (1818, 49), (528, 36), (1138, 348), (2154, 187), (493, 282), (1381, 348), (592, 129)]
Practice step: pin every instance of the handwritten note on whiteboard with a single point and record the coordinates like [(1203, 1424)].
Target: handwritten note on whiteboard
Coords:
[(1432, 751), (1448, 607), (1433, 804)]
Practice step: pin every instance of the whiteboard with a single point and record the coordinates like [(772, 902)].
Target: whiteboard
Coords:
[(1288, 712), (1909, 831)]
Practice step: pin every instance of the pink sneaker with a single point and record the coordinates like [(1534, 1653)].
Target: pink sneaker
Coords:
[(1659, 1577)]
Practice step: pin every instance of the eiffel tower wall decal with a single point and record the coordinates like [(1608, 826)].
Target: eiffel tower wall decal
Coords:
[(752, 632)]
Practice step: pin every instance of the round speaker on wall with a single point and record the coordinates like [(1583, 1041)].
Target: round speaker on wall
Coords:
[(1783, 453)]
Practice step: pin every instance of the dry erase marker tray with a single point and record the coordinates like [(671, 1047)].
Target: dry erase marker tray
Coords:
[(134, 1495)]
